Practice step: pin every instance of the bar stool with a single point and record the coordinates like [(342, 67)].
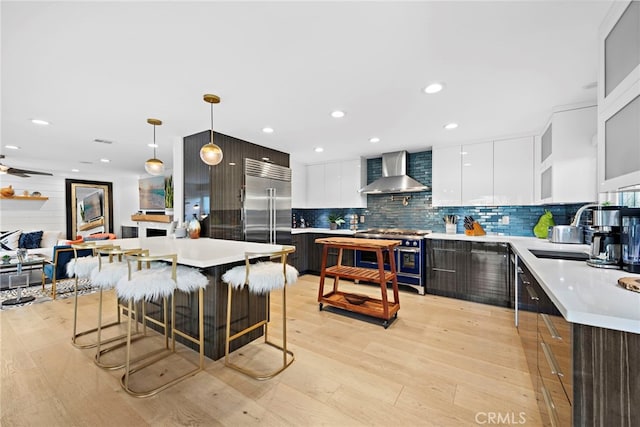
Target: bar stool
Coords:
[(261, 278), (111, 268), (80, 267), (152, 284)]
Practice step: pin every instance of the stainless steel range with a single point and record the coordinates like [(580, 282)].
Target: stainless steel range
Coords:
[(409, 256)]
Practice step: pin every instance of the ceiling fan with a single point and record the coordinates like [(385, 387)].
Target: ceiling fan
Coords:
[(19, 172)]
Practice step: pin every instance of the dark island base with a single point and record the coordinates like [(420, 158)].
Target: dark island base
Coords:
[(606, 374), (247, 309)]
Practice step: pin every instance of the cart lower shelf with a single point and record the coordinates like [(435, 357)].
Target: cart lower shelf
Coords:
[(370, 307)]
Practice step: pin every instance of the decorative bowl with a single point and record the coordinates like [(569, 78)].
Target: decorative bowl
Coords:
[(356, 299)]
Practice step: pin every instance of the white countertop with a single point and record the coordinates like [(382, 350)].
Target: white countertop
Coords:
[(583, 294), (343, 232), (199, 253)]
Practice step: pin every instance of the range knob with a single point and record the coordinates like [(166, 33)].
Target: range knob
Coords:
[(415, 243)]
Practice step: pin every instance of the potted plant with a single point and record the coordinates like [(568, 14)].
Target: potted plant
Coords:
[(335, 221), (168, 195)]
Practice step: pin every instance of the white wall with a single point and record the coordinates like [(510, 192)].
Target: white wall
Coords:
[(51, 214)]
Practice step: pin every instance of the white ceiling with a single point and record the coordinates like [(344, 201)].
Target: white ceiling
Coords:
[(100, 69)]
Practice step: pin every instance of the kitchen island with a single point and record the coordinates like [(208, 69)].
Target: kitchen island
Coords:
[(213, 257)]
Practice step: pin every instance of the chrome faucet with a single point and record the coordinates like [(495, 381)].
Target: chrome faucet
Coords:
[(576, 219)]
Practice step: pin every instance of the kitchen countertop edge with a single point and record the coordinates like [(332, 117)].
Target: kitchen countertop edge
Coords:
[(583, 294)]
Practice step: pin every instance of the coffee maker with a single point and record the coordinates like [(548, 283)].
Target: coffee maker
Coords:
[(605, 241), (630, 239)]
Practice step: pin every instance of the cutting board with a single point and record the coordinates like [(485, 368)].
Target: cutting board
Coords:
[(630, 283)]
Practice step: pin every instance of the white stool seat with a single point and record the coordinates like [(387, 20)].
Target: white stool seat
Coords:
[(263, 276), (82, 267), (149, 285), (110, 273)]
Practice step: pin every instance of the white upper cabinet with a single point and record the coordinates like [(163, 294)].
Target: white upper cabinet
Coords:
[(477, 174), (316, 194), (513, 171), (619, 98), (298, 185), (446, 175), (489, 173), (353, 177), (565, 155), (335, 185)]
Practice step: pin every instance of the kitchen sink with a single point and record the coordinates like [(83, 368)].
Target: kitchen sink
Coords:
[(565, 255)]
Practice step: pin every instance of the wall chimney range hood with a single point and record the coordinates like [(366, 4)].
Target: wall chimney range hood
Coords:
[(394, 177)]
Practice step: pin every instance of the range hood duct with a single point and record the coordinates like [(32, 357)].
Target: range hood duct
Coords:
[(394, 177)]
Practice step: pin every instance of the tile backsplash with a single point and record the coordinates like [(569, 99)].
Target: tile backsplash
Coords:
[(383, 212)]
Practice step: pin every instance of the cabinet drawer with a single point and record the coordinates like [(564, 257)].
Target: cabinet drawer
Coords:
[(555, 334), (554, 407)]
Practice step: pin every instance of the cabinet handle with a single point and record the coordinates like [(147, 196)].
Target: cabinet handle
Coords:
[(443, 269), (531, 292), (551, 359), (551, 327), (553, 415)]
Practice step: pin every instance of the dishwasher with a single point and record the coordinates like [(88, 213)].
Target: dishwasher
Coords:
[(488, 278)]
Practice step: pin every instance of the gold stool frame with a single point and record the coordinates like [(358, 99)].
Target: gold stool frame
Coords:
[(282, 254), (76, 247), (114, 252), (159, 354)]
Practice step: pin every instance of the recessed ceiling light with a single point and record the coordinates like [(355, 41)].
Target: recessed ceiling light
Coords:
[(267, 130), (463, 153), (152, 145), (39, 122), (337, 114), (266, 159), (318, 149), (374, 140), (75, 170), (450, 126), (467, 164), (433, 88), (12, 147), (232, 163), (105, 160)]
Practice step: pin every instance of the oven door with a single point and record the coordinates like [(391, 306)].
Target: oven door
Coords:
[(409, 261), (369, 259)]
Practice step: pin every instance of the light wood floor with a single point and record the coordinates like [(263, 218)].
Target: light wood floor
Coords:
[(443, 362)]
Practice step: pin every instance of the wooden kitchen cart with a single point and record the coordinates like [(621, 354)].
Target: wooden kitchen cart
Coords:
[(379, 308)]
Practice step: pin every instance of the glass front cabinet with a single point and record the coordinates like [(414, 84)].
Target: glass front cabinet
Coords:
[(619, 98)]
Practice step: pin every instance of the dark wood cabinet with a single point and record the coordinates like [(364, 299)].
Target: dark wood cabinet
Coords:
[(308, 255), (547, 342), (474, 271), (447, 267), (217, 190)]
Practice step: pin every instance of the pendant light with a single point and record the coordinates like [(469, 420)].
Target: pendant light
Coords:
[(154, 166), (210, 153)]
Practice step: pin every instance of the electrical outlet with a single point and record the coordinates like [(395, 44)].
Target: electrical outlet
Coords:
[(505, 220)]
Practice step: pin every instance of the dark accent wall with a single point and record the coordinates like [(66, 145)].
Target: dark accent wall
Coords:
[(419, 214), (217, 189)]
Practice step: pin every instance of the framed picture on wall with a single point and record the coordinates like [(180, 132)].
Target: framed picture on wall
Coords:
[(151, 191)]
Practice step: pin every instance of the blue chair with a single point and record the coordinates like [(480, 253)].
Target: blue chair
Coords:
[(57, 270)]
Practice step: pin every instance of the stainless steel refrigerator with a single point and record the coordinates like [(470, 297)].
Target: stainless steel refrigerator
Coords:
[(266, 207)]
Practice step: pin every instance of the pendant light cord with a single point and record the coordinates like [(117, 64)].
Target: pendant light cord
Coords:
[(211, 122), (154, 142)]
